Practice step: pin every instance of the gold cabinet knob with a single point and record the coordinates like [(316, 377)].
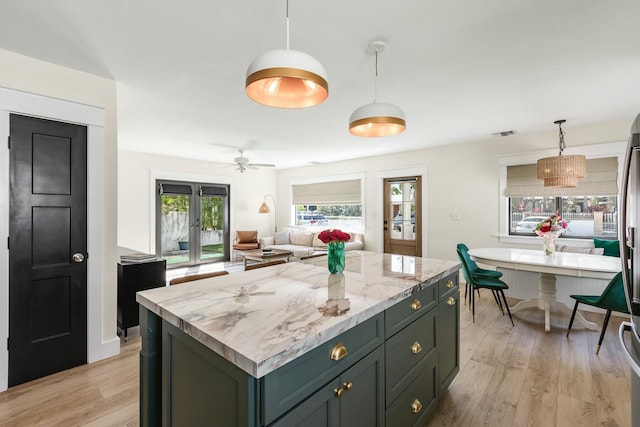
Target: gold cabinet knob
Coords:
[(416, 305), (338, 351), (416, 348), (347, 386), (338, 392), (416, 406), (451, 301), (449, 284)]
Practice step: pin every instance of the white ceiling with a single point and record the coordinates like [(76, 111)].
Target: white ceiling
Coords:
[(460, 69)]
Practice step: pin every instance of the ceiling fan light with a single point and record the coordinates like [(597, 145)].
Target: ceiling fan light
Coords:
[(286, 78), (377, 119)]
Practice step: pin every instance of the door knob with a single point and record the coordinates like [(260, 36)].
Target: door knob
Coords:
[(78, 257)]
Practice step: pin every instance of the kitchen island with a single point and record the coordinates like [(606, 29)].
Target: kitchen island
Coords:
[(294, 345)]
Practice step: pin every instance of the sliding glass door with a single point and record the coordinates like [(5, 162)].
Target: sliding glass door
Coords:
[(192, 222)]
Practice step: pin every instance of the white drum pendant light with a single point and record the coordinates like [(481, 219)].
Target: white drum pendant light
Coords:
[(287, 78), (377, 118), (562, 171)]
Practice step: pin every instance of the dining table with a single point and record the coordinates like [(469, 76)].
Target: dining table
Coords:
[(548, 267)]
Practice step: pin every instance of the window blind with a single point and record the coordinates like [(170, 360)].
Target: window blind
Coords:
[(322, 193), (601, 179)]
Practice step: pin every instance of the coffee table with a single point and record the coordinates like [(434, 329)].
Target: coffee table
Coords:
[(260, 255)]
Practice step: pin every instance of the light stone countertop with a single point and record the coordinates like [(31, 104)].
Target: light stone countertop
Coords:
[(261, 319)]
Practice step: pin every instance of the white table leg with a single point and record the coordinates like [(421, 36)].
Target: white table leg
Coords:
[(547, 301)]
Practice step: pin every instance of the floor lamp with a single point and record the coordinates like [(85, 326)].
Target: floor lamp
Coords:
[(264, 208)]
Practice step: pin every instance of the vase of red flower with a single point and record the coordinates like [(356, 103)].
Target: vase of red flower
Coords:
[(550, 230), (335, 240)]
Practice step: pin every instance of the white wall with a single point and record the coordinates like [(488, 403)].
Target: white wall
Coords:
[(49, 83), (136, 176), (462, 178)]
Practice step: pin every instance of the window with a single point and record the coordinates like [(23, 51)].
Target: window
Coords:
[(590, 208), (334, 204), (587, 216)]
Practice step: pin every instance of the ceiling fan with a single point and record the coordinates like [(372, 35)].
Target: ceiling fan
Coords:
[(242, 163)]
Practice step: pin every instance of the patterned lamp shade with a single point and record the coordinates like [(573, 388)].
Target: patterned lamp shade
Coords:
[(562, 171)]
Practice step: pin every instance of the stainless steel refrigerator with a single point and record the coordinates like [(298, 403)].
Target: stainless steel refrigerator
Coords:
[(630, 257)]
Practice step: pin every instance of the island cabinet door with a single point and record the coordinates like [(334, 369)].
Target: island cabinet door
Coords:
[(355, 398), (200, 388), (448, 340)]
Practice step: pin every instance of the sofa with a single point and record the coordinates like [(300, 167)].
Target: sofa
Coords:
[(304, 243)]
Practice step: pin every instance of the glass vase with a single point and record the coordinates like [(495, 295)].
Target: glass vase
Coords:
[(549, 245), (335, 257)]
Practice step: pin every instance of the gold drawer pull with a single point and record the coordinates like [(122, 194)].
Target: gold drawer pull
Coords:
[(415, 305), (338, 352), (451, 301), (416, 348), (416, 406), (347, 386), (449, 284), (338, 392)]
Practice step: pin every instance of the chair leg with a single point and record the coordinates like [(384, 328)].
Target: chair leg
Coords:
[(507, 306), (497, 298), (573, 315), (473, 305), (466, 287), (604, 329)]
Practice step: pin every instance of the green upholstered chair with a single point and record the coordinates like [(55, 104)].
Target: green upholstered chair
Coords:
[(612, 299), (494, 284), (475, 270)]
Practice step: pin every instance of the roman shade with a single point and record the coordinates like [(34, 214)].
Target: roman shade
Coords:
[(322, 193), (601, 179)]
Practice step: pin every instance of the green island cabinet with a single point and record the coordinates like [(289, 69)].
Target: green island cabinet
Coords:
[(389, 370)]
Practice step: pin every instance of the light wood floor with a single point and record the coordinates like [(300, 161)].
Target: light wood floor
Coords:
[(510, 376)]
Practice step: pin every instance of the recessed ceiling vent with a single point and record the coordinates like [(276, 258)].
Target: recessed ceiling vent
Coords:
[(505, 133)]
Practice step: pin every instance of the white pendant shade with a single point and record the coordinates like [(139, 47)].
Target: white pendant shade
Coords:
[(287, 79), (377, 119)]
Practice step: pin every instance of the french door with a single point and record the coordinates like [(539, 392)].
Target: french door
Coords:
[(402, 216), (192, 222)]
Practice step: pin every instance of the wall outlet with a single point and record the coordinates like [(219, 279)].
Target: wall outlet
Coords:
[(454, 216)]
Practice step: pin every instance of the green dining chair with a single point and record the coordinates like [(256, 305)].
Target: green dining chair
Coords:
[(611, 299), (475, 270), (495, 285)]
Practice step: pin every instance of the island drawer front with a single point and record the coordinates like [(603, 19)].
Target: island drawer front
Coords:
[(418, 400), (290, 384), (409, 309), (404, 352), (447, 287)]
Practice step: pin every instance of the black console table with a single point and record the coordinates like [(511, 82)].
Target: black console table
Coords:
[(134, 277)]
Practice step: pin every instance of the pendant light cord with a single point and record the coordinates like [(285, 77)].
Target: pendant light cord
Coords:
[(375, 83), (287, 24), (562, 143)]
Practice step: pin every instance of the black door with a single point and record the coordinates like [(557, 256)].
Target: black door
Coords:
[(47, 248)]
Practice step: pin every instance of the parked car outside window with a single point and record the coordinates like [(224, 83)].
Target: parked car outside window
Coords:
[(528, 224), (312, 219)]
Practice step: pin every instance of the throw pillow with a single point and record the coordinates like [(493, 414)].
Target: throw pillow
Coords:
[(611, 247), (247, 236), (317, 243), (300, 238), (282, 237), (576, 250)]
